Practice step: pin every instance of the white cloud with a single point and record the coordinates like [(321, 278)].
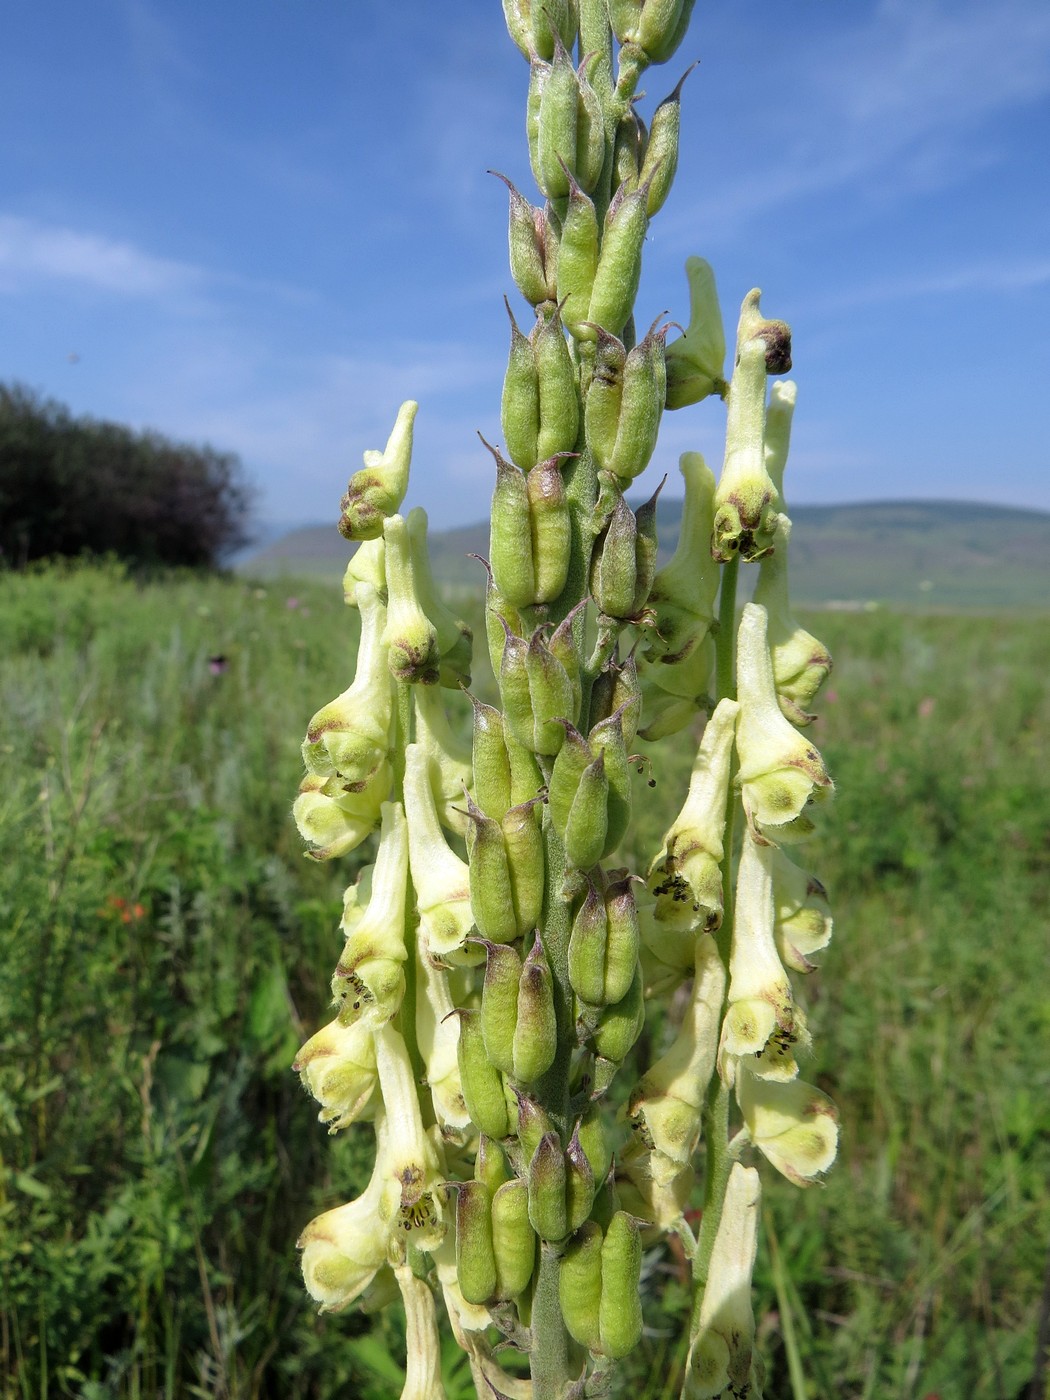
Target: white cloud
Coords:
[(990, 277), (33, 251)]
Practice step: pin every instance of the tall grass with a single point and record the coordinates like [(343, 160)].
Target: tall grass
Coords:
[(164, 947)]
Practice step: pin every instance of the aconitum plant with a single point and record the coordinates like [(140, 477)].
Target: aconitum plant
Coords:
[(500, 958)]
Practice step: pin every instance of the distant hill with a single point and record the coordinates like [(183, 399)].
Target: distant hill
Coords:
[(927, 554)]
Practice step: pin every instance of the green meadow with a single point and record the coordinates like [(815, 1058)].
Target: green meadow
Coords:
[(166, 948)]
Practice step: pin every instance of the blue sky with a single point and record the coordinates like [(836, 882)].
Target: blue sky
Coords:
[(265, 223)]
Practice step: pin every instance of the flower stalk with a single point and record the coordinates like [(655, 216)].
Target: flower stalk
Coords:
[(501, 955)]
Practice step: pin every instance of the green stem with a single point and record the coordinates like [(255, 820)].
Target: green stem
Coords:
[(550, 1359)]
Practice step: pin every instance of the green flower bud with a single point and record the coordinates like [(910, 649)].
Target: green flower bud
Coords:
[(440, 878), (475, 1259), (577, 260), (686, 878), (620, 1314), (661, 153), (448, 758), (338, 1067), (548, 1213), (367, 565), (491, 897), (802, 918), (510, 535), (454, 637), (559, 405), (667, 1107), (557, 122), (580, 1285), (533, 248), (350, 737), (513, 1240), (781, 773), (549, 530), (481, 1081), (745, 518), (793, 1125), (369, 979), (520, 405), (682, 597), (762, 1020), (334, 820), (410, 638), (695, 363), (721, 1358), (801, 664), (378, 490), (491, 761), (620, 260)]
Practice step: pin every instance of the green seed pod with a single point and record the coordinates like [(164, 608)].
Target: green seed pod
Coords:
[(413, 653), (661, 153), (590, 131), (499, 1004), (623, 940), (548, 1214), (620, 1025), (523, 844), (595, 1142), (533, 1126), (490, 1165), (500, 617), (520, 404), (618, 688), (620, 1315), (550, 528), (568, 768), (491, 898), (628, 149), (526, 779), (535, 1031), (624, 16), (601, 413), (510, 540), (580, 1285), (514, 689), (648, 547), (517, 14), (539, 76), (587, 948), (563, 648), (513, 1239), (614, 578), (378, 490), (620, 260), (533, 248), (475, 1260), (557, 123), (559, 406), (661, 27), (577, 260), (491, 762), (482, 1085), (588, 820), (641, 407), (551, 698), (607, 739), (579, 1183)]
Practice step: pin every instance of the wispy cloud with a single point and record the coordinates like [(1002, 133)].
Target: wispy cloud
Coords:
[(31, 251), (1005, 276)]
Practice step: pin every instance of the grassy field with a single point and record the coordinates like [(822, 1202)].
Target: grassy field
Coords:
[(166, 947)]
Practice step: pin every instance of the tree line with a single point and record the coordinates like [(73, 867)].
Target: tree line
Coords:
[(74, 485)]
